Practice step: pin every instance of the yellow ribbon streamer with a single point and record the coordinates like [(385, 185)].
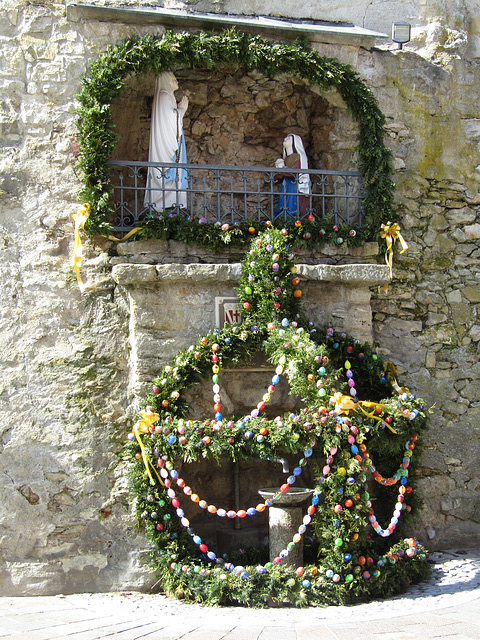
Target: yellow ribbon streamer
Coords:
[(126, 237), (391, 233), (80, 219), (345, 404), (143, 426)]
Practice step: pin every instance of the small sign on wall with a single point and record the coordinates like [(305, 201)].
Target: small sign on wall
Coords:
[(227, 311)]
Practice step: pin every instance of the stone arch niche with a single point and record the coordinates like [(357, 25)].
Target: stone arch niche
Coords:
[(241, 118), (106, 80)]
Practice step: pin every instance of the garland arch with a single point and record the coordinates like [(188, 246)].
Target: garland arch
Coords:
[(351, 444), (104, 82)]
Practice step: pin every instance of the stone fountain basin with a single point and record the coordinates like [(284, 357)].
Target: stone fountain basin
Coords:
[(295, 496)]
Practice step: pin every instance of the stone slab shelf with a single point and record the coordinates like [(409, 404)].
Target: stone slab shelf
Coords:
[(349, 275)]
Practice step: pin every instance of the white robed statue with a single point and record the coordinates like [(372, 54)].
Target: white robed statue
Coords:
[(167, 144)]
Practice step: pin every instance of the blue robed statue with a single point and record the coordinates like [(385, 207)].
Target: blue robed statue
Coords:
[(295, 188)]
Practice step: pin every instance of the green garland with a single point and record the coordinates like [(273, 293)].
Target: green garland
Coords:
[(138, 55), (348, 561)]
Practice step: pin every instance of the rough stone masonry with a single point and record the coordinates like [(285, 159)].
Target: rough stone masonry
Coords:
[(74, 365)]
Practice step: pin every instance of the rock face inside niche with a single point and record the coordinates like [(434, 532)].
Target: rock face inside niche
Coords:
[(238, 118)]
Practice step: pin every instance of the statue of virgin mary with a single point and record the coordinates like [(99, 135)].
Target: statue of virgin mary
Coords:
[(295, 188), (166, 188)]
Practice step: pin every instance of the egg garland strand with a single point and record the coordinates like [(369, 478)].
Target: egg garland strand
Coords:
[(231, 514), (330, 575), (168, 473), (315, 364)]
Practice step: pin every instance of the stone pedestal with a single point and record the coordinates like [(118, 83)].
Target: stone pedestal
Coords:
[(285, 516)]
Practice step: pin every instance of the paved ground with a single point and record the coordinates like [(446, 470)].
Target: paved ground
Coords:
[(446, 607)]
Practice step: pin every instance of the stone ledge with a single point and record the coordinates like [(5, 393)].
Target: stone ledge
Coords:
[(349, 274), (167, 252)]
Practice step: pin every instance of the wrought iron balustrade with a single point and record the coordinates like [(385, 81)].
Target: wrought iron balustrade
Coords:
[(232, 194)]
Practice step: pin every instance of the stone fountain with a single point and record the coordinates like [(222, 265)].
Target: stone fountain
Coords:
[(285, 516)]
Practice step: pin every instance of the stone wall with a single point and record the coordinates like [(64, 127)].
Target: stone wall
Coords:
[(72, 365)]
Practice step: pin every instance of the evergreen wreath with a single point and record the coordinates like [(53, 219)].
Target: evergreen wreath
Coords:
[(104, 83), (347, 441)]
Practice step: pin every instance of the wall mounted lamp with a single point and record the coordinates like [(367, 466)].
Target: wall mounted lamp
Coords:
[(401, 33)]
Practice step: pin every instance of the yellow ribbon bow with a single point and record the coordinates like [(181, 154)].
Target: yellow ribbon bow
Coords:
[(80, 219), (391, 233), (143, 426), (392, 378), (345, 404), (342, 403)]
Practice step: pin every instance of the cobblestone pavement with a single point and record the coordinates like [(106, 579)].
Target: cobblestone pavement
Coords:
[(446, 607)]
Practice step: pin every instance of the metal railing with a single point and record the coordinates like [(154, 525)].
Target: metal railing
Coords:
[(231, 194)]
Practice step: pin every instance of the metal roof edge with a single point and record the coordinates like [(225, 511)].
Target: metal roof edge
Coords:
[(338, 33)]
